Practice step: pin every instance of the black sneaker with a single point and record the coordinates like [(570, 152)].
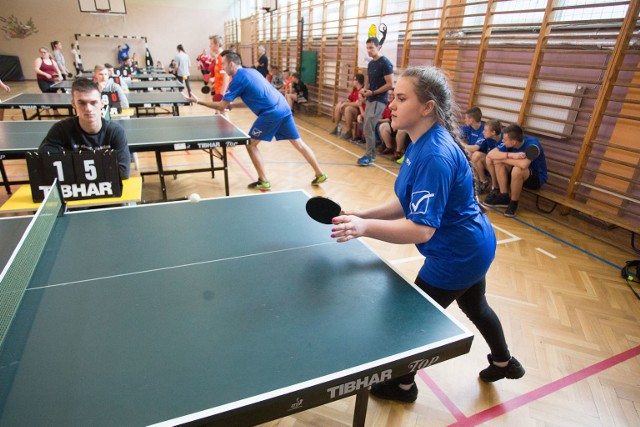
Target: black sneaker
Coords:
[(511, 209), (513, 371), (501, 200), (491, 196), (390, 390), (481, 187)]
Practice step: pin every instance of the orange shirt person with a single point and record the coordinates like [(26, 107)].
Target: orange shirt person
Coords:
[(219, 79)]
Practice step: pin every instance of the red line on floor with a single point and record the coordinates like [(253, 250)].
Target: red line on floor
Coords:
[(245, 170), (517, 402), (441, 395)]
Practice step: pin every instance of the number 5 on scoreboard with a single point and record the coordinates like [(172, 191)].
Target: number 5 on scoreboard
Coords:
[(90, 170)]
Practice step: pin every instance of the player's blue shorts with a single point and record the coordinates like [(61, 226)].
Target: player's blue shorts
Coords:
[(266, 127)]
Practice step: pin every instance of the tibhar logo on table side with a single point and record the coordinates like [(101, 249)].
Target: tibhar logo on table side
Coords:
[(360, 383), (216, 144), (368, 381)]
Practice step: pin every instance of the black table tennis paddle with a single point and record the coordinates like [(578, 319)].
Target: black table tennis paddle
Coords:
[(205, 89), (532, 152), (323, 209)]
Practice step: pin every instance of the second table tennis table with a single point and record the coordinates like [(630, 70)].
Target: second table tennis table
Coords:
[(141, 102), (213, 134), (135, 86)]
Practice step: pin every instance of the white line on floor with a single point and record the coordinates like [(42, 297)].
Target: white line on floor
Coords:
[(550, 255)]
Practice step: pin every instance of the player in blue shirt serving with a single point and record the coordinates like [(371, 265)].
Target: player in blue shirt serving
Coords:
[(437, 210), (274, 116)]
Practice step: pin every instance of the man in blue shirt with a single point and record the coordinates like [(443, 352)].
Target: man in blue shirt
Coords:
[(491, 137), (508, 161), (378, 82), (274, 116), (473, 127)]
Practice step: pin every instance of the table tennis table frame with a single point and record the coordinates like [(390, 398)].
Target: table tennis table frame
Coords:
[(213, 152)]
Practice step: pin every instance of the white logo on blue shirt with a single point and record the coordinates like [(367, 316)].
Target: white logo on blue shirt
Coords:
[(420, 202), (256, 132)]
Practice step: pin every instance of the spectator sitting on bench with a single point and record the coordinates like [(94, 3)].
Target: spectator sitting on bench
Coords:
[(288, 80), (478, 154), (509, 166), (393, 140), (298, 92), (348, 109), (277, 78), (473, 126)]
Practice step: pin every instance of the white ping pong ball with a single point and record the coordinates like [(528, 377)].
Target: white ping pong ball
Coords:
[(194, 198)]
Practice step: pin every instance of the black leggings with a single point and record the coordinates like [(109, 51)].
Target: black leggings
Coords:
[(45, 86), (473, 303)]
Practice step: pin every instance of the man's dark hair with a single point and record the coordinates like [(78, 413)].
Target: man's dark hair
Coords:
[(295, 75), (360, 78), (373, 40), (232, 57), (475, 113), (84, 85), (515, 132), (107, 65)]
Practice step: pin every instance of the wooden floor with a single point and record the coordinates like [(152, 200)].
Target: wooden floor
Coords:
[(555, 284)]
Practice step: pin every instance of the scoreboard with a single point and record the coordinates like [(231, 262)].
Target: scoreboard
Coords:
[(85, 174)]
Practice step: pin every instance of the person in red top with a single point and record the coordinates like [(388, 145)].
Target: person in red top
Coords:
[(218, 78), (288, 79), (394, 140), (47, 71), (349, 109), (204, 62)]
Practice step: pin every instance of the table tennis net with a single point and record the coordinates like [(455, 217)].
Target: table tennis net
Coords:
[(17, 274)]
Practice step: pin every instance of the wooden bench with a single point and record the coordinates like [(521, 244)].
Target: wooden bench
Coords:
[(305, 106), (559, 199)]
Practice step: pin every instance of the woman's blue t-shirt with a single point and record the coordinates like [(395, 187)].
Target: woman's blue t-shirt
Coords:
[(435, 188)]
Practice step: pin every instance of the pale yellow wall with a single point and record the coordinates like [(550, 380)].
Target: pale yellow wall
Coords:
[(165, 23)]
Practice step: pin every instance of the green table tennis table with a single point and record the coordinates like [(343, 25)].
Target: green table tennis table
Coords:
[(144, 103), (213, 134), (232, 311), (136, 86)]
